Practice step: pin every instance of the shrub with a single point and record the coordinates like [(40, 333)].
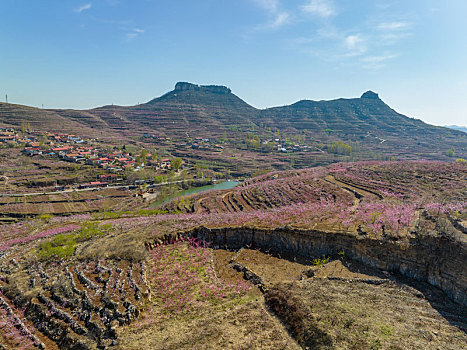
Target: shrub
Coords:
[(92, 229), (386, 330), (63, 246), (320, 261), (45, 217), (107, 215)]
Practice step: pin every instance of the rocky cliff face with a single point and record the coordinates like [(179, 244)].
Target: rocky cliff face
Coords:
[(436, 260), (370, 95), (217, 89)]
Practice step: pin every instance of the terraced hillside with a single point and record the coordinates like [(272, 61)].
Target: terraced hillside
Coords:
[(76, 306), (195, 111), (385, 182), (271, 191), (22, 174), (340, 257), (191, 111), (14, 115), (368, 120)]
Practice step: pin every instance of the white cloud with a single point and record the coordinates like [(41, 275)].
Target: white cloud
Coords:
[(352, 41), (134, 33), (322, 8), (280, 20), (377, 62), (83, 8), (370, 44), (393, 38), (390, 26), (269, 5), (355, 45), (392, 32)]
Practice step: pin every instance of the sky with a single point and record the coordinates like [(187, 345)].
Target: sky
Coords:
[(85, 54)]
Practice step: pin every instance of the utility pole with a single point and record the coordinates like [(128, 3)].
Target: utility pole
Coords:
[(6, 98)]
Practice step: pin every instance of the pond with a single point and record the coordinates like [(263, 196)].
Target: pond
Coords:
[(225, 185)]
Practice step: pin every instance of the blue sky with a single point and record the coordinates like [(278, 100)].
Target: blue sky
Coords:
[(83, 54)]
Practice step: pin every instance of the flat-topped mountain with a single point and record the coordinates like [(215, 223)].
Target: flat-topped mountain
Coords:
[(211, 111), (187, 93), (209, 107), (218, 89)]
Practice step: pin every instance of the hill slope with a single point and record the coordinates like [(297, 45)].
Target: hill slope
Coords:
[(206, 109), (191, 111), (366, 255), (367, 120)]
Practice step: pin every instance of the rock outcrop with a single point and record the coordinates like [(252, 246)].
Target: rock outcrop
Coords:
[(217, 89), (437, 260), (370, 95)]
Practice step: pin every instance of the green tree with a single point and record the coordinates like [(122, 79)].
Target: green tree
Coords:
[(451, 152), (155, 157), (176, 163), (340, 147), (143, 155)]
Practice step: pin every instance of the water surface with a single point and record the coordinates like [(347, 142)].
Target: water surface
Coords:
[(194, 190)]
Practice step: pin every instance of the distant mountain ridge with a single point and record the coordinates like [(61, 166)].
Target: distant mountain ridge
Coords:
[(192, 110), (457, 127)]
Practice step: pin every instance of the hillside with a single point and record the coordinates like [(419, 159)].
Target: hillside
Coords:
[(71, 121), (367, 120), (366, 255), (188, 110), (367, 124)]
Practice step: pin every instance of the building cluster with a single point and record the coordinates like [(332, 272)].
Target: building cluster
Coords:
[(284, 146), (156, 139), (36, 142), (72, 148), (7, 135), (206, 144)]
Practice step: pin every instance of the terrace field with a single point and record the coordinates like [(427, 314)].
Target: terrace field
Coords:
[(367, 255), (22, 174)]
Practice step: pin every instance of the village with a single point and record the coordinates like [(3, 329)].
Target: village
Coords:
[(253, 142), (115, 163)]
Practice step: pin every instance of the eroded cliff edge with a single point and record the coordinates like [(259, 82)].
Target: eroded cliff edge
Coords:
[(440, 260)]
